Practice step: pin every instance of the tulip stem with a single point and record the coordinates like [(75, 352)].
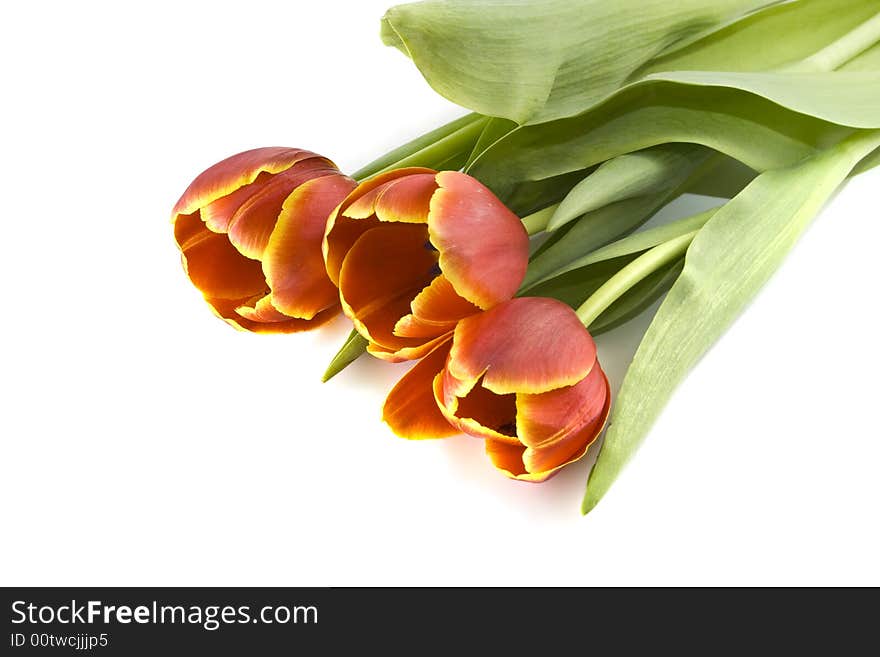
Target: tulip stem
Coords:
[(443, 146), (417, 144), (636, 271), (846, 48), (537, 221)]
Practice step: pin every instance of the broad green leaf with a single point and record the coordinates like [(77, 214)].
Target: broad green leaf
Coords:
[(730, 259), (494, 130), (598, 227), (848, 98), (591, 231), (645, 171), (627, 176), (842, 31), (529, 196), (873, 160), (642, 241), (550, 239), (770, 38), (869, 60), (453, 163), (727, 178), (537, 60), (756, 131), (574, 287)]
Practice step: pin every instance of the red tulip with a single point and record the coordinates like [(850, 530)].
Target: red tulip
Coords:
[(523, 376), (249, 230), (414, 251)]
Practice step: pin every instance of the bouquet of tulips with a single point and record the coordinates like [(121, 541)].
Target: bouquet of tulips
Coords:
[(587, 118)]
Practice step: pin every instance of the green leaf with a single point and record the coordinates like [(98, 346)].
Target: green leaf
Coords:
[(848, 98), (727, 178), (591, 231), (575, 286), (768, 39), (414, 146), (841, 35), (350, 351), (641, 241), (493, 131), (562, 253), (835, 42), (869, 60), (452, 147), (531, 195), (730, 259), (537, 60), (637, 299), (628, 176), (756, 131)]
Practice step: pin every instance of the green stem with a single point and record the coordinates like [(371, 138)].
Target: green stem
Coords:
[(537, 221), (457, 142), (846, 48), (646, 264), (416, 145)]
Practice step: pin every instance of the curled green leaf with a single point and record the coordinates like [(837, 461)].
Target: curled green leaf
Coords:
[(731, 258), (531, 61)]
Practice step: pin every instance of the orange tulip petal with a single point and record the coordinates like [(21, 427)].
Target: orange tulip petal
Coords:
[(229, 310), (252, 224), (544, 416), (508, 459), (484, 248), (551, 417), (237, 171), (261, 310), (410, 409), (407, 200), (401, 354), (213, 265), (380, 276), (218, 213), (544, 463), (361, 203), (355, 216), (556, 425), (341, 235), (476, 411), (436, 309), (525, 345), (410, 327), (292, 261)]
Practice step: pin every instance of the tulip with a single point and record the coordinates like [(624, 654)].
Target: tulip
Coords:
[(523, 375), (249, 230), (414, 251)]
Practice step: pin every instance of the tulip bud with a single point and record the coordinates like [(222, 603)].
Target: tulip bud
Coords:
[(523, 376), (414, 251), (249, 230)]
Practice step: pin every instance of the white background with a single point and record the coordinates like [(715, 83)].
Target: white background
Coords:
[(146, 442)]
